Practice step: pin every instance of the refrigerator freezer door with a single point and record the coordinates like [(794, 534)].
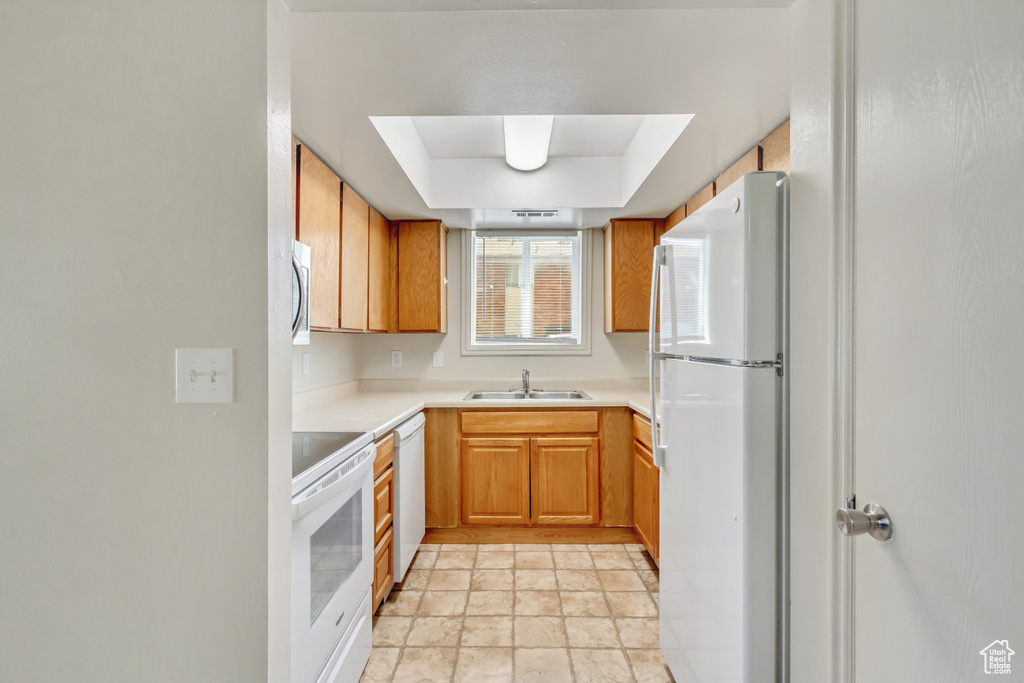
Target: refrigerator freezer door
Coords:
[(718, 529), (719, 289)]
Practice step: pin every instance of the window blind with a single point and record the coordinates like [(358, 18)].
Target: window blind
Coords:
[(526, 289)]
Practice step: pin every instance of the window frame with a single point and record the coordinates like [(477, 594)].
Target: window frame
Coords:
[(582, 348)]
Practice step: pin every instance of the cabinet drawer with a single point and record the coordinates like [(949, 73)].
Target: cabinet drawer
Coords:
[(528, 421), (383, 503), (385, 455), (642, 430), (383, 568)]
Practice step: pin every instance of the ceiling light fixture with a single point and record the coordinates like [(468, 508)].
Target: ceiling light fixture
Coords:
[(527, 139)]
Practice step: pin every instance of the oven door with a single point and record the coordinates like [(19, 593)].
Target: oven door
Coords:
[(332, 560)]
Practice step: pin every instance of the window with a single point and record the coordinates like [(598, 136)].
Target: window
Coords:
[(525, 293)]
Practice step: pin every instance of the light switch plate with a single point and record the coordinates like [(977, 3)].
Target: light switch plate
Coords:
[(438, 359), (396, 359), (204, 375)]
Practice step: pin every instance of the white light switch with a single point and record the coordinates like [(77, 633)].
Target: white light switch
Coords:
[(204, 375), (438, 360)]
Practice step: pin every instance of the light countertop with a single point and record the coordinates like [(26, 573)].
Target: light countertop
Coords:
[(379, 406)]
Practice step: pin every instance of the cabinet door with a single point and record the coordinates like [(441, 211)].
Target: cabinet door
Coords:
[(379, 274), (383, 503), (646, 499), (495, 481), (629, 248), (318, 217), (565, 480), (355, 220), (422, 276), (383, 568)]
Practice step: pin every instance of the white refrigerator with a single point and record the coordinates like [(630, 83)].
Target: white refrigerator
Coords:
[(721, 446)]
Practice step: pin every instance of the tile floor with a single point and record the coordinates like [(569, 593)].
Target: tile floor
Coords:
[(545, 613)]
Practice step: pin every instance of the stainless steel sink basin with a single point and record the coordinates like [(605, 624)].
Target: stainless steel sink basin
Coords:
[(546, 395), (535, 394), (510, 394)]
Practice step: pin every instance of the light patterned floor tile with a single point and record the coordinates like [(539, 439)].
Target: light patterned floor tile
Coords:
[(649, 666), (607, 548), (490, 603), (538, 603), (639, 634), (533, 547), (484, 665), (633, 604), (459, 559), (535, 580), (578, 580), (604, 561), (539, 632), (426, 665), (534, 560), (575, 560), (415, 580), (496, 547), (435, 632), (449, 580), (492, 580), (495, 560), (584, 604), (390, 631), (546, 665), (424, 559), (487, 632), (381, 665), (401, 604), (443, 603), (600, 666), (591, 632), (616, 580)]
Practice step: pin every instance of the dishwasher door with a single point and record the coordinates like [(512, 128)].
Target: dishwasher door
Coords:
[(410, 493)]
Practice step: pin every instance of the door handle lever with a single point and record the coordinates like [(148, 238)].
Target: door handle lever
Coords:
[(874, 521)]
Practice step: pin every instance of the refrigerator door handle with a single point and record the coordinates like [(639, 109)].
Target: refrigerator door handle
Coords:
[(658, 451)]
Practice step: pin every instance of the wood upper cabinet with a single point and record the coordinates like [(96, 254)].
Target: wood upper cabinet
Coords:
[(646, 499), (564, 480), (318, 221), (628, 250), (355, 221), (495, 481), (379, 273), (422, 276)]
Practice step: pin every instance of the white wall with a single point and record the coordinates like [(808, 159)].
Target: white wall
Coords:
[(614, 356), (815, 141), (133, 220), (333, 359)]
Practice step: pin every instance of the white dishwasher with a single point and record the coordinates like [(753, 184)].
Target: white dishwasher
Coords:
[(410, 493)]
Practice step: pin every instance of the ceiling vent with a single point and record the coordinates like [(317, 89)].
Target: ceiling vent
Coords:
[(533, 213)]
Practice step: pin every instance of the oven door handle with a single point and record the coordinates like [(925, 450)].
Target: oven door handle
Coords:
[(334, 483)]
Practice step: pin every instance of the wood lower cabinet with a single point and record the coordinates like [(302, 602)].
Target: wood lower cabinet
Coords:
[(383, 568), (646, 488), (383, 520), (538, 481), (564, 480), (646, 499), (495, 481)]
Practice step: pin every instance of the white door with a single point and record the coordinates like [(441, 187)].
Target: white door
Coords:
[(938, 278)]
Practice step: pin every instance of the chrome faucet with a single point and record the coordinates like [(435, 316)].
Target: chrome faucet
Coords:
[(526, 380)]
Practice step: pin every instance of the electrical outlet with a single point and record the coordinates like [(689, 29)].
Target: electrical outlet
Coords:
[(396, 359), (305, 363), (438, 359)]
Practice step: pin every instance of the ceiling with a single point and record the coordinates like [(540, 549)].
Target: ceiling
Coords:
[(728, 67)]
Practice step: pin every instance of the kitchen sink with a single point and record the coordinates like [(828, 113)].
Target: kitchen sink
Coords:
[(535, 394)]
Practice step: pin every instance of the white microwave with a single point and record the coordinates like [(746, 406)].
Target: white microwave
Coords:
[(300, 294)]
